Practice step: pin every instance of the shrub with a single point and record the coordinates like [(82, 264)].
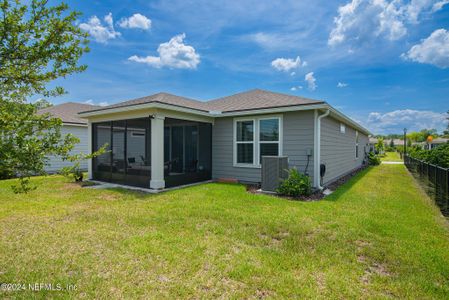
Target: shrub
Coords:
[(295, 185), (373, 159), (437, 156)]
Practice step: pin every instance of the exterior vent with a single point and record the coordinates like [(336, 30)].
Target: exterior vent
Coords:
[(274, 170)]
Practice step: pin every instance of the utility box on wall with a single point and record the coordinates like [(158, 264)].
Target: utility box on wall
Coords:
[(274, 170)]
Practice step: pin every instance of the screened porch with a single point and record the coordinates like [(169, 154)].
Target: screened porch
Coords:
[(152, 152)]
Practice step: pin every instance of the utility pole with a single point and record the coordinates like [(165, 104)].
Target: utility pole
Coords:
[(405, 142)]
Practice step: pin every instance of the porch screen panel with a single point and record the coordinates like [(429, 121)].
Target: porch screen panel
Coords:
[(101, 165), (191, 148), (118, 151), (177, 149), (138, 152), (188, 152)]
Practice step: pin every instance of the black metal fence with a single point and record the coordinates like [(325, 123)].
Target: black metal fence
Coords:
[(434, 179)]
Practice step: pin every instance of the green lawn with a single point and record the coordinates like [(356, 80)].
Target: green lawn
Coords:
[(378, 236), (391, 156)]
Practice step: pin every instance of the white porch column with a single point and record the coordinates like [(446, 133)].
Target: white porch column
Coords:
[(157, 152), (89, 149)]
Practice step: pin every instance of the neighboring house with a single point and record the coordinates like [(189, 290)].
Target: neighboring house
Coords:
[(372, 141), (72, 123), (396, 142), (437, 142), (165, 140)]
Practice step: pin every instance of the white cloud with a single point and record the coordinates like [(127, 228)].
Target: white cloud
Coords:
[(136, 21), (101, 33), (413, 120), (172, 54), (91, 102), (433, 50), (311, 81), (287, 64), (360, 20), (295, 88), (439, 5), (342, 85)]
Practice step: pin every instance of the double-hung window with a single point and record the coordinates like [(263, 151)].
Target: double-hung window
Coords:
[(245, 142), (268, 138), (356, 144), (256, 137)]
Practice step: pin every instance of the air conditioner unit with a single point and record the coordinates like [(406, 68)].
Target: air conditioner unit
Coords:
[(274, 170)]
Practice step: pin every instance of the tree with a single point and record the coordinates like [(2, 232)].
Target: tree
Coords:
[(38, 44), (380, 145), (42, 103), (415, 136), (428, 132)]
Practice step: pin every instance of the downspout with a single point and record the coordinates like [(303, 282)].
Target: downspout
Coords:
[(317, 148)]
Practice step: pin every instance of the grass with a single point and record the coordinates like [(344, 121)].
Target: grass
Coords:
[(391, 156), (377, 236)]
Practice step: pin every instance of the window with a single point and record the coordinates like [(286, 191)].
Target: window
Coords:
[(245, 142), (138, 134), (256, 138), (356, 144), (342, 128), (268, 138)]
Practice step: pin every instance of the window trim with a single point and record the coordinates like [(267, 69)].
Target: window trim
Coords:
[(356, 144), (342, 128), (256, 139)]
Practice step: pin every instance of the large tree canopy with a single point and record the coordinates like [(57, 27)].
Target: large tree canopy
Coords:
[(38, 44)]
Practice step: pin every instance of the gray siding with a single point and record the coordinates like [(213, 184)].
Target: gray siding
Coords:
[(297, 139), (56, 163), (338, 149)]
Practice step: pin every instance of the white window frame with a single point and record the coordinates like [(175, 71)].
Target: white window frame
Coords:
[(356, 144), (256, 139), (342, 128)]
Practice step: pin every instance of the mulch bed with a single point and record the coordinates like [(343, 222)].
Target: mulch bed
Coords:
[(316, 195)]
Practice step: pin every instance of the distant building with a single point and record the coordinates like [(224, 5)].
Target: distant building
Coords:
[(71, 123), (437, 142)]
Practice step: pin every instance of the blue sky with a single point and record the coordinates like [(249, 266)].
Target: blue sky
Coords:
[(384, 63)]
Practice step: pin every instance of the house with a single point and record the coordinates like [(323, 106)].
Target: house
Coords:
[(396, 142), (164, 140), (372, 141), (437, 142), (71, 123)]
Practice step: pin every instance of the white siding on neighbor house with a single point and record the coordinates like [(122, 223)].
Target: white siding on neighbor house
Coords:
[(297, 139), (56, 163), (338, 149)]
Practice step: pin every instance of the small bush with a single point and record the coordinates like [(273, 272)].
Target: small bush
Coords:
[(373, 159), (295, 185)]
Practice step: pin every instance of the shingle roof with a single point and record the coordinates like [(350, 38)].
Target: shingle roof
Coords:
[(253, 99), (440, 140), (257, 99), (68, 112), (160, 98)]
